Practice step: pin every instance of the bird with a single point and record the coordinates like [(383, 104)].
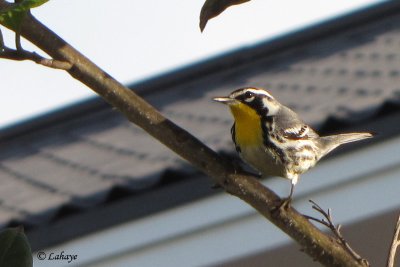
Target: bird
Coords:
[(272, 138)]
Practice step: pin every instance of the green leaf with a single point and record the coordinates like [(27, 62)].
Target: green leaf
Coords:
[(14, 248), (213, 8), (13, 16)]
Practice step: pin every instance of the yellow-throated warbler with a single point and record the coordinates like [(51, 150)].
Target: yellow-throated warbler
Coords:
[(272, 138)]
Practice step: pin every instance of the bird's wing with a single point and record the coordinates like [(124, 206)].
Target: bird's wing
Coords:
[(296, 132), (290, 126)]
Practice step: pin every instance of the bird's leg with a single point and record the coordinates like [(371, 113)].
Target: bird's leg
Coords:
[(291, 191), (288, 200)]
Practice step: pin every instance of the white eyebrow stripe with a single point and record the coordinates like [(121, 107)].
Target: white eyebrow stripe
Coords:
[(253, 90), (259, 92)]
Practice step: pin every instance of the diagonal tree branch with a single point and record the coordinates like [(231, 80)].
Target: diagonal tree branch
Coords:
[(315, 243)]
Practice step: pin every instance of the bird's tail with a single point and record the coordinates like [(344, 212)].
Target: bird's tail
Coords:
[(332, 141)]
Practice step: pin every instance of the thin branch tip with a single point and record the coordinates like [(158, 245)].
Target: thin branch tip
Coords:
[(395, 244), (20, 55), (328, 222)]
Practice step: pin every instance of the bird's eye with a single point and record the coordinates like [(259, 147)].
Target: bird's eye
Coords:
[(248, 95)]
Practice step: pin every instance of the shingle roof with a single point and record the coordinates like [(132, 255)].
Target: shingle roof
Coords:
[(345, 70)]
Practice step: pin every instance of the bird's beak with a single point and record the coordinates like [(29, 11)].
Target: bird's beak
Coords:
[(225, 100)]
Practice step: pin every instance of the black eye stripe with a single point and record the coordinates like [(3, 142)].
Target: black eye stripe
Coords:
[(257, 105)]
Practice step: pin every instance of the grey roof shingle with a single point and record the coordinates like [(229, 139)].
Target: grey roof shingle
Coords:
[(347, 74)]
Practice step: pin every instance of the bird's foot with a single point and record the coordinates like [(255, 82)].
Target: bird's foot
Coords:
[(286, 203), (283, 205)]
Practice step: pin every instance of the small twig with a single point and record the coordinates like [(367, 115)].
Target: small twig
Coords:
[(395, 244), (328, 222), (20, 55), (18, 41), (1, 41)]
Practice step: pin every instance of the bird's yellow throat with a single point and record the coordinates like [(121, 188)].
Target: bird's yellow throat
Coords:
[(247, 125)]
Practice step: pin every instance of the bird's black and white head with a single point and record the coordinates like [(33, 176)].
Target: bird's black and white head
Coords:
[(257, 99)]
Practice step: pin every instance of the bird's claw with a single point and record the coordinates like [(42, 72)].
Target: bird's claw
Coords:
[(285, 204)]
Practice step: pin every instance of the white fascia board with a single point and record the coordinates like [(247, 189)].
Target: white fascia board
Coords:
[(355, 185)]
